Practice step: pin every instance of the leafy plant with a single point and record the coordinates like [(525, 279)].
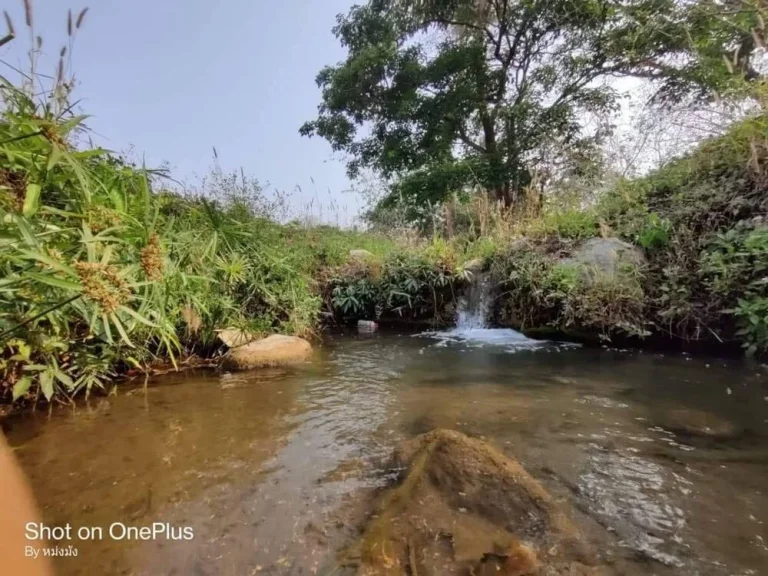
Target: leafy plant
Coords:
[(655, 232), (407, 284)]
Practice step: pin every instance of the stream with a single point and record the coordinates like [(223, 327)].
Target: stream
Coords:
[(663, 459)]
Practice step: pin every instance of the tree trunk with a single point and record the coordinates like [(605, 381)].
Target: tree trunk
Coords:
[(500, 187), (450, 206)]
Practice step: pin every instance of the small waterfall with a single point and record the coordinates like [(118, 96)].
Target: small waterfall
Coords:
[(472, 322), (473, 305)]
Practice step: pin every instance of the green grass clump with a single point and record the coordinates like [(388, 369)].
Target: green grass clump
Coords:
[(537, 290), (406, 284)]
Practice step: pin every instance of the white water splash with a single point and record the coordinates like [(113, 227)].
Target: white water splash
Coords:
[(474, 304), (472, 322)]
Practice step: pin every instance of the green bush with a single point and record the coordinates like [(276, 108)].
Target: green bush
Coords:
[(536, 290), (736, 263), (572, 223), (655, 233), (752, 315), (408, 284)]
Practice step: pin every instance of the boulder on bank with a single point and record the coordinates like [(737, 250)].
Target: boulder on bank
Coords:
[(463, 507), (606, 257), (361, 255), (520, 245), (276, 350), (475, 265)]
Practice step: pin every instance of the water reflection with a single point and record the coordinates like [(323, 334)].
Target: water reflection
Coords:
[(126, 458), (295, 520)]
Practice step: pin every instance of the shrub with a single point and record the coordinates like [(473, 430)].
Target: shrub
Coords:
[(536, 290), (655, 232), (736, 263), (572, 223), (415, 285)]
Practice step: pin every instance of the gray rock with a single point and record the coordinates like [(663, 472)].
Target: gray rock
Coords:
[(520, 245), (359, 254), (367, 326), (474, 265), (606, 257)]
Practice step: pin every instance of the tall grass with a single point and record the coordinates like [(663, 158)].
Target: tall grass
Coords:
[(105, 269)]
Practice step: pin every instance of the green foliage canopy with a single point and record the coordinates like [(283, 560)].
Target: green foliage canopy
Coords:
[(443, 95)]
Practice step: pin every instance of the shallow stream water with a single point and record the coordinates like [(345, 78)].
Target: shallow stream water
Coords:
[(663, 460)]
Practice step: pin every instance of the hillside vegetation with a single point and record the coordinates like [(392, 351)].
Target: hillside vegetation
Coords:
[(701, 223), (107, 270)]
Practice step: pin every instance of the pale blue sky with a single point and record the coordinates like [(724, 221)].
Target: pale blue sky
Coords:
[(173, 78)]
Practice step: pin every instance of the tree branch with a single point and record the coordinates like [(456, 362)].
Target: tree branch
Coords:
[(464, 137)]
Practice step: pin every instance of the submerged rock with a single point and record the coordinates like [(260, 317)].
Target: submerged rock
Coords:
[(607, 257), (463, 507), (367, 326), (692, 422), (274, 350)]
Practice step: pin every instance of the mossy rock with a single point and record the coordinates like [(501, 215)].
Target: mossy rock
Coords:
[(463, 507)]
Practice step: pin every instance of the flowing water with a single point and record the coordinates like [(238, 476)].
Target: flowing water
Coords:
[(472, 323), (662, 459)]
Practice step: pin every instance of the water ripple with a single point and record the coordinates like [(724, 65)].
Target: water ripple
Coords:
[(629, 494)]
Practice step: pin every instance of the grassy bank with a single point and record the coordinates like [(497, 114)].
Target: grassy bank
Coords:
[(699, 225), (106, 271)]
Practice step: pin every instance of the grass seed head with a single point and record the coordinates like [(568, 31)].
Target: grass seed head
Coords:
[(152, 258), (103, 284), (9, 23), (80, 18)]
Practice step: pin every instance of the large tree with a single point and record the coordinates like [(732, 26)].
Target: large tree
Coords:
[(440, 95)]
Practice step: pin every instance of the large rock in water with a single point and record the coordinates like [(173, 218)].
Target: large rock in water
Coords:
[(274, 350), (606, 257), (463, 507)]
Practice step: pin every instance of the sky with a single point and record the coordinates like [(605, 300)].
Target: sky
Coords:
[(172, 79)]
